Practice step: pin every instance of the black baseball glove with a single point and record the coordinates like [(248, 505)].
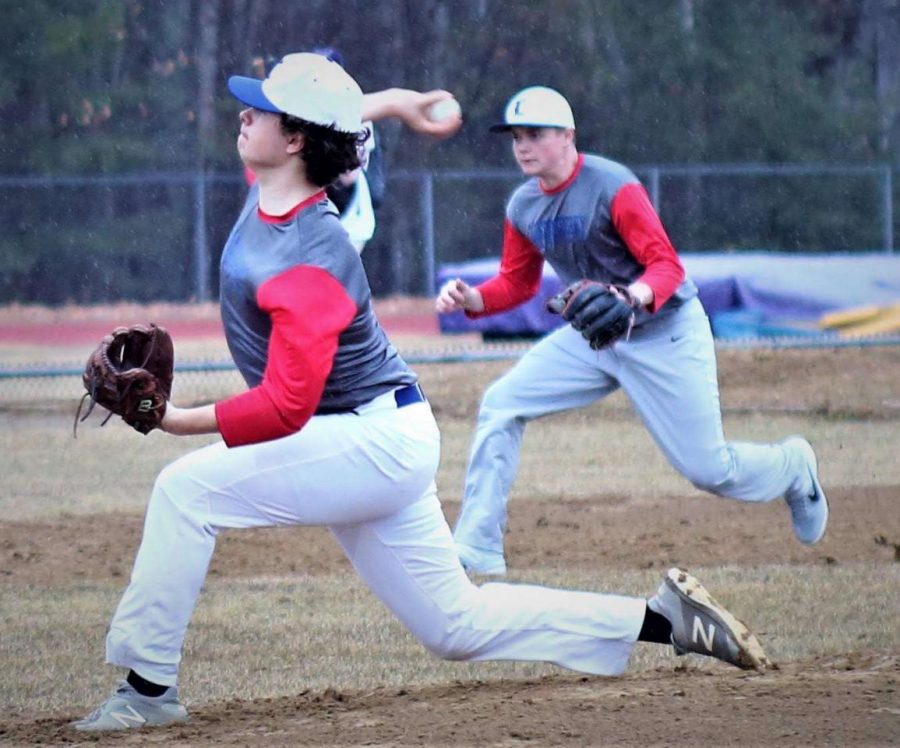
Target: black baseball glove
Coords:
[(601, 312)]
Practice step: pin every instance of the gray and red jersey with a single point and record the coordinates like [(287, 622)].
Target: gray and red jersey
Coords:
[(297, 313), (600, 225)]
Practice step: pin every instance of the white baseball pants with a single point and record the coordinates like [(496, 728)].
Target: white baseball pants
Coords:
[(668, 371), (369, 476)]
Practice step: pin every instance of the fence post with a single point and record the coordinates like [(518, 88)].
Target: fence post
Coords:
[(427, 206), (887, 209), (654, 188), (201, 250)]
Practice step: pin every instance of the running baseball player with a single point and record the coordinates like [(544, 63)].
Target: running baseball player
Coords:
[(636, 324), (335, 430)]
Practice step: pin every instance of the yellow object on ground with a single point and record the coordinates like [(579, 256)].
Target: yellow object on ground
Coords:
[(867, 320)]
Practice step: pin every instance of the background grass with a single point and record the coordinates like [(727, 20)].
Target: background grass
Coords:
[(48, 474)]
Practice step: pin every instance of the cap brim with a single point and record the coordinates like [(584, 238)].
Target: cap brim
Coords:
[(506, 127), (249, 91)]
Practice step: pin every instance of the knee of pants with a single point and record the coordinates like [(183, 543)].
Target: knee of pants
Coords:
[(496, 404), (447, 642), (713, 477), (451, 633)]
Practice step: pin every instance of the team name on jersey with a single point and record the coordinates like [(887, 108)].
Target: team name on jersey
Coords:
[(549, 233)]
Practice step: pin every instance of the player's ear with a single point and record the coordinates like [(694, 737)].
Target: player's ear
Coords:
[(295, 142)]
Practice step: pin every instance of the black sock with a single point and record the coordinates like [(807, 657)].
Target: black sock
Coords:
[(656, 628), (143, 686)]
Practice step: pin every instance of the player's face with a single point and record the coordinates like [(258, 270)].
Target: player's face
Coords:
[(261, 142), (540, 151)]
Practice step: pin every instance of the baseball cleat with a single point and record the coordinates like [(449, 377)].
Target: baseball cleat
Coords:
[(701, 625), (127, 709), (809, 507)]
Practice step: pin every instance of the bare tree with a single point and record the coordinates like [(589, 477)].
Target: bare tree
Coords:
[(883, 16), (207, 47)]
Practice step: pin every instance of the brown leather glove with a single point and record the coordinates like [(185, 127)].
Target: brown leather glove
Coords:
[(130, 374)]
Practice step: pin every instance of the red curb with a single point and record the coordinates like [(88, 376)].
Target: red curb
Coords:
[(76, 333)]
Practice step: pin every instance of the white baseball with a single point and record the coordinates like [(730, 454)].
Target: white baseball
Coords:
[(441, 110)]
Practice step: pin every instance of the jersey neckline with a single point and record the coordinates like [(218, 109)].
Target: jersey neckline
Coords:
[(285, 217), (560, 187)]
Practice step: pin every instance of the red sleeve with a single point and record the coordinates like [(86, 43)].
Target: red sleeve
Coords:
[(519, 278), (309, 309), (643, 234)]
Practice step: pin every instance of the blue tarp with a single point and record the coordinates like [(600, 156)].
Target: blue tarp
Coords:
[(747, 293)]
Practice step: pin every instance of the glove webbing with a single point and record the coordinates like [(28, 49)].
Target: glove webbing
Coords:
[(93, 393)]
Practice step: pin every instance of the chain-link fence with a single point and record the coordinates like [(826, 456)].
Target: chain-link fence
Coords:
[(157, 237), (57, 388)]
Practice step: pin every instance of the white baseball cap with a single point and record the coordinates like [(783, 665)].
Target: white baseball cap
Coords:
[(308, 86), (536, 106)]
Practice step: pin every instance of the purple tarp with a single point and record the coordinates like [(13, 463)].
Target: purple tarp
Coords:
[(778, 290)]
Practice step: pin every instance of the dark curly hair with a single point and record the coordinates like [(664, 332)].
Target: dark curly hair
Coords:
[(327, 152)]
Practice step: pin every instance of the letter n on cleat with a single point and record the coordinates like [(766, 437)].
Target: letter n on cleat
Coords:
[(706, 636), (123, 718)]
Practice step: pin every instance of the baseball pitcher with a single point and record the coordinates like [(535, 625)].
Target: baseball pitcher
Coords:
[(334, 429)]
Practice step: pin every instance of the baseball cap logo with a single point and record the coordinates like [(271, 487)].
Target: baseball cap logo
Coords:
[(536, 106)]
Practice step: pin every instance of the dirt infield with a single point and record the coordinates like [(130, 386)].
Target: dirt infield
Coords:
[(849, 698), (837, 701), (610, 532)]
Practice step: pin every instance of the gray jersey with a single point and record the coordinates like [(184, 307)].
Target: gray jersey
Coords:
[(297, 311), (577, 229)]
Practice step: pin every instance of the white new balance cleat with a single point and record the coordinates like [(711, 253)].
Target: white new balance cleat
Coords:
[(702, 625), (127, 709), (808, 505)]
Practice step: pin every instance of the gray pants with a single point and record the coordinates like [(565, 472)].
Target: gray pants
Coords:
[(668, 370)]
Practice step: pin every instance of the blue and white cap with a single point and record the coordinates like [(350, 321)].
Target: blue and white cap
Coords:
[(536, 106), (308, 86)]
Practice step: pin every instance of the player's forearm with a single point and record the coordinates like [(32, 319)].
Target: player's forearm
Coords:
[(190, 421), (414, 109), (382, 104), (502, 293), (519, 278)]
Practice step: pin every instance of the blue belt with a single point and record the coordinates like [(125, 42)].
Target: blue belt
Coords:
[(408, 395), (403, 396)]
